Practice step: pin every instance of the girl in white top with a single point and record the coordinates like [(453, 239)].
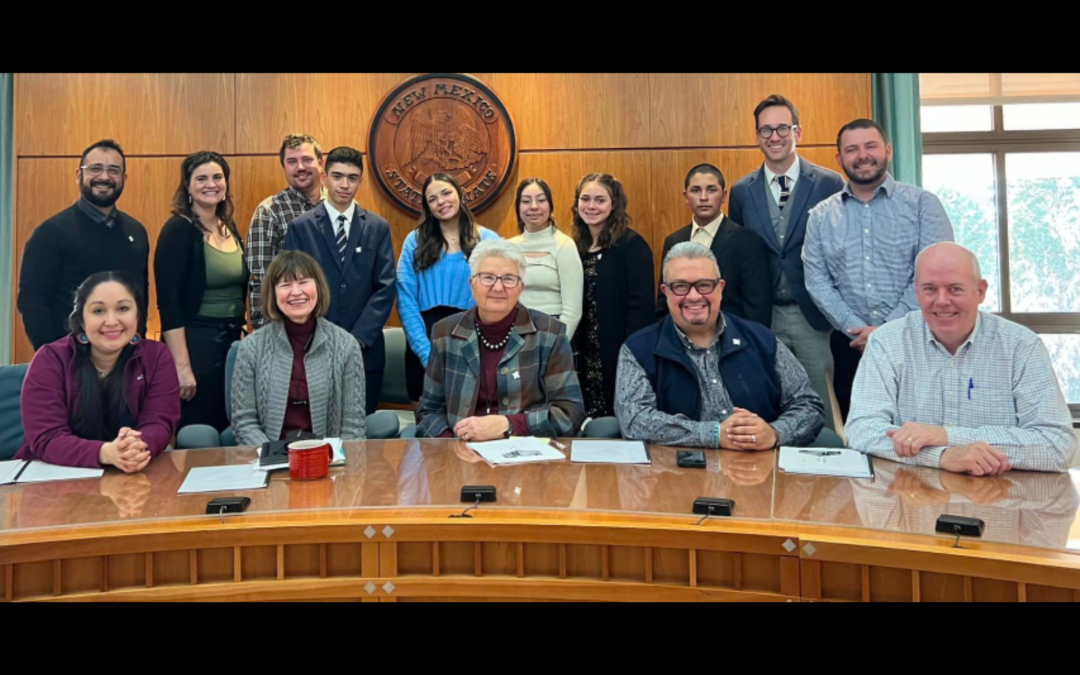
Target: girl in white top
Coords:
[(554, 278)]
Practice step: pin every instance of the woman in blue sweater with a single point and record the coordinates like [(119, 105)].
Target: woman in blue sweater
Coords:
[(433, 271)]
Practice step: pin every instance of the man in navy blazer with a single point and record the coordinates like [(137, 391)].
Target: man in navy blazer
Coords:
[(357, 254), (774, 202)]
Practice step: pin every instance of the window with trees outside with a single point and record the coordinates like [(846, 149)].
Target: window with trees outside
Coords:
[(1002, 152)]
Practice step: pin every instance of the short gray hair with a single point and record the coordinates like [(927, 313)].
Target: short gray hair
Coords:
[(975, 267), (496, 248), (690, 250)]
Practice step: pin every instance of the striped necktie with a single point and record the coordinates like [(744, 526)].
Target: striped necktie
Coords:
[(784, 191), (342, 238)]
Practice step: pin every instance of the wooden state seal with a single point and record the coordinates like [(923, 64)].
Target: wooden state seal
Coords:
[(442, 123)]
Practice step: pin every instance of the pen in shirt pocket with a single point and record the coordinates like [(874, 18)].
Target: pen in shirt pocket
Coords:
[(971, 385)]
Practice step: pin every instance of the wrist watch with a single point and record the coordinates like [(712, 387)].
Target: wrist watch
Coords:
[(509, 429)]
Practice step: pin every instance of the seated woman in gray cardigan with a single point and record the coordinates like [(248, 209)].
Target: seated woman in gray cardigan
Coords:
[(300, 372)]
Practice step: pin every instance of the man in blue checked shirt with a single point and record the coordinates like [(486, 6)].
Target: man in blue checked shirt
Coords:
[(860, 247), (954, 388)]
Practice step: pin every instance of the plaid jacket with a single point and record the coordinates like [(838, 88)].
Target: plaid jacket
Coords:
[(536, 376), (266, 237)]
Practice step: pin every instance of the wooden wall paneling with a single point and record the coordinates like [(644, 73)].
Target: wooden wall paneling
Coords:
[(215, 565), (60, 114), (415, 558), (889, 584), (628, 563), (302, 561), (31, 580), (717, 109), (542, 560), (335, 108), (259, 562), (576, 111), (82, 575), (344, 560)]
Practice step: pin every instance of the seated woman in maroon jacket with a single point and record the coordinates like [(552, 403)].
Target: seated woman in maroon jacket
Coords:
[(102, 395)]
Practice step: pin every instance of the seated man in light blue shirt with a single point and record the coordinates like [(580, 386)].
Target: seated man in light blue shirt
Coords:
[(959, 389)]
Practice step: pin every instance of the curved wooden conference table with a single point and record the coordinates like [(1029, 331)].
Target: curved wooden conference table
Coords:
[(378, 530)]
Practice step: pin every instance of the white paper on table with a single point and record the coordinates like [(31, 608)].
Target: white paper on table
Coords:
[(516, 450), (223, 479), (823, 462), (40, 472), (609, 452), (336, 444), (10, 469)]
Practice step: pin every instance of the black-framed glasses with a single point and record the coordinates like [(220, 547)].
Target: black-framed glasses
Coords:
[(703, 286), (783, 131), (97, 169), (509, 281)]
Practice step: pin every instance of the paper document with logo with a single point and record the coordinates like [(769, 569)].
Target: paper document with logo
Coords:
[(516, 450)]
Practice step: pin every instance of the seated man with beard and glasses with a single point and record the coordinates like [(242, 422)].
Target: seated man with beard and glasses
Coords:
[(705, 378)]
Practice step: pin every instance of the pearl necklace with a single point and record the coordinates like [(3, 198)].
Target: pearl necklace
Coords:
[(492, 347)]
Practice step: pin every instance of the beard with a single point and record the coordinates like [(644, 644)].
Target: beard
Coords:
[(700, 320), (103, 201), (875, 177)]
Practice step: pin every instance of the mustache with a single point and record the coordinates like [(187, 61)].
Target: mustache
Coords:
[(682, 303)]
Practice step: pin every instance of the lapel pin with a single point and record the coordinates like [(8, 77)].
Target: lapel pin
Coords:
[(359, 249), (517, 375), (736, 341), (131, 239)]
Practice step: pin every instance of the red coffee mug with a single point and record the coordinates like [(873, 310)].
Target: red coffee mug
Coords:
[(309, 460)]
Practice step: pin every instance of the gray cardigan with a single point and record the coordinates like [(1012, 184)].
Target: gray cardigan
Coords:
[(260, 385)]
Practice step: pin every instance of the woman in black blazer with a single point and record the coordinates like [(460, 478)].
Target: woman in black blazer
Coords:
[(201, 278), (618, 286)]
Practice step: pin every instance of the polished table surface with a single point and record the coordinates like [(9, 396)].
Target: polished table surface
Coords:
[(1019, 508)]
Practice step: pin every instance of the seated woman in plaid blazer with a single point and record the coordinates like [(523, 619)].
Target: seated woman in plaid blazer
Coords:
[(499, 369)]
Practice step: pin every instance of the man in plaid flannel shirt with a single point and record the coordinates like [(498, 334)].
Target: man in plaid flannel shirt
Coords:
[(301, 158)]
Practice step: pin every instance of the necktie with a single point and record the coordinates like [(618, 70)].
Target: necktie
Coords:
[(342, 238), (784, 191)]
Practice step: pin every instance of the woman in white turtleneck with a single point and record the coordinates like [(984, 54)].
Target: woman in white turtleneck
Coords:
[(554, 278)]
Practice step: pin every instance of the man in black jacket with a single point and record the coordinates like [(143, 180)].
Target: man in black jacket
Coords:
[(88, 237), (740, 252)]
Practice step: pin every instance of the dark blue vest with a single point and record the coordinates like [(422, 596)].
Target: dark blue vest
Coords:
[(747, 366)]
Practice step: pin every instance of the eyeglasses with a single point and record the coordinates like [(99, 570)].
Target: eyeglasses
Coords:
[(509, 281), (783, 131), (96, 169), (704, 286)]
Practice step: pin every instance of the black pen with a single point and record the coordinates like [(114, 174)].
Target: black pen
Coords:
[(820, 453)]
